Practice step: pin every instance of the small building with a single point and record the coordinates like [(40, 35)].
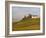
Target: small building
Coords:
[(35, 16), (30, 16)]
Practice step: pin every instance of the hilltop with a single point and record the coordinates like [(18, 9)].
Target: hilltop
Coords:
[(27, 24)]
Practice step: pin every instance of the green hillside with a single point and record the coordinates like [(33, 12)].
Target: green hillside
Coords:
[(27, 24)]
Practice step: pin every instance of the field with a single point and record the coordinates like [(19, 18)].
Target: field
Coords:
[(27, 24)]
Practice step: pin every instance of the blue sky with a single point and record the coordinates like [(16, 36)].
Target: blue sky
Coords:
[(19, 12)]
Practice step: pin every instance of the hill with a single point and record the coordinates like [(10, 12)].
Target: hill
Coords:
[(26, 24)]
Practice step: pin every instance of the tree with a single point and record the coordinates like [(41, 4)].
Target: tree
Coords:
[(30, 16)]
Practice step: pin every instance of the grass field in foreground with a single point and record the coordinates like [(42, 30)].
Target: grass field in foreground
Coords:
[(28, 24)]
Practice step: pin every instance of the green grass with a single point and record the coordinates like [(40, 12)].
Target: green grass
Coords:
[(27, 24)]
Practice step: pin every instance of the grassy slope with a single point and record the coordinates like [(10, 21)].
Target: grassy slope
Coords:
[(28, 24)]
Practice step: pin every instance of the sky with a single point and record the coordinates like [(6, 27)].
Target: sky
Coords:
[(19, 12)]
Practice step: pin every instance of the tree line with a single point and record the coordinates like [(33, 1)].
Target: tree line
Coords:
[(27, 17)]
